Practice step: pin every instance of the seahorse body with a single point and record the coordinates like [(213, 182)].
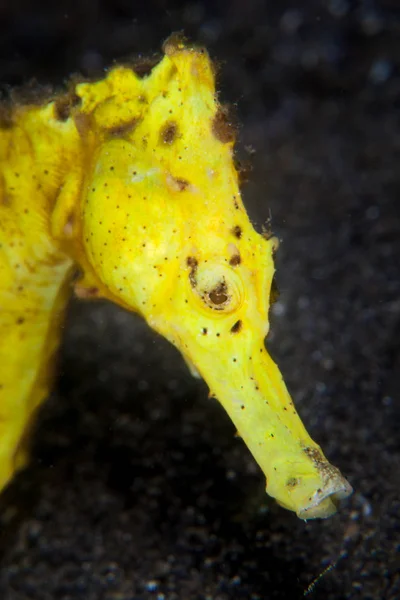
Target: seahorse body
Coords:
[(132, 180)]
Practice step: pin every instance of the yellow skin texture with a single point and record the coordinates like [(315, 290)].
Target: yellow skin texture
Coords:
[(133, 181)]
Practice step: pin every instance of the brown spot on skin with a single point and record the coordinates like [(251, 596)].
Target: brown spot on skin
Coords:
[(182, 184), (237, 231), (237, 327), (123, 128), (168, 132), (177, 184), (64, 105), (191, 262), (235, 260), (20, 320), (223, 127), (292, 482)]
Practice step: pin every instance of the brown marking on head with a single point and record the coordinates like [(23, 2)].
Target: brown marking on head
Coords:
[(182, 184), (236, 327), (177, 184), (223, 127), (122, 129), (191, 262), (237, 231), (64, 104), (168, 132), (235, 260), (292, 482)]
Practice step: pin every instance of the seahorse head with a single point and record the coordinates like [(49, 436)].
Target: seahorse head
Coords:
[(166, 232)]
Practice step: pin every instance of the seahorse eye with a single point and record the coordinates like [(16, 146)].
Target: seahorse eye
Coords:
[(217, 286), (219, 295)]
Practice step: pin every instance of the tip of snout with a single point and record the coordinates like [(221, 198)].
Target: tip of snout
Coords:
[(325, 502)]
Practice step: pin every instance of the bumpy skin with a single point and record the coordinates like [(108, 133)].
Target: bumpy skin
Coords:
[(132, 180)]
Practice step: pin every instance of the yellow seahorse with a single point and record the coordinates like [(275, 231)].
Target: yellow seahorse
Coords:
[(132, 179)]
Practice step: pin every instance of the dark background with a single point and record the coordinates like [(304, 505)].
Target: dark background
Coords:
[(138, 488)]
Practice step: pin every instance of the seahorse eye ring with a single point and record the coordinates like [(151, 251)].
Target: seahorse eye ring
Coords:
[(218, 287)]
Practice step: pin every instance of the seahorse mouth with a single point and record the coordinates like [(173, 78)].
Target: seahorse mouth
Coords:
[(325, 502)]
